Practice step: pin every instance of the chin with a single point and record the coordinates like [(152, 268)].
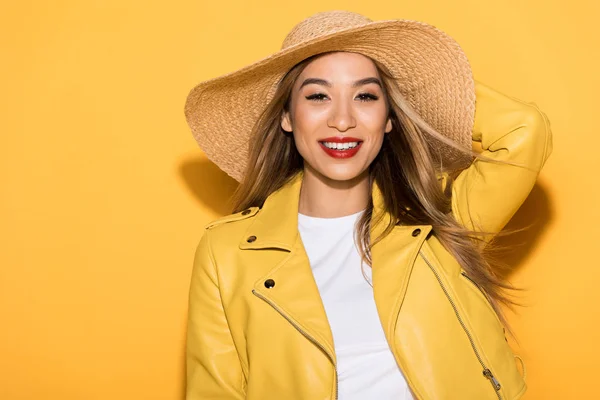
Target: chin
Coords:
[(341, 174)]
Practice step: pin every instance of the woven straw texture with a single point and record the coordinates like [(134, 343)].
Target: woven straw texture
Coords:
[(431, 69)]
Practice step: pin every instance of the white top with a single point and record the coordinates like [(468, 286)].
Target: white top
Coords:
[(366, 366)]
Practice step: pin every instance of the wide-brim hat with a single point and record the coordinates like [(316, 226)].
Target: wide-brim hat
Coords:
[(432, 71)]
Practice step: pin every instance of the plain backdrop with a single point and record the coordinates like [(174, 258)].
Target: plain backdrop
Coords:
[(104, 192)]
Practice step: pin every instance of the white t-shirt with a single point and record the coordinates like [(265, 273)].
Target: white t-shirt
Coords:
[(366, 366)]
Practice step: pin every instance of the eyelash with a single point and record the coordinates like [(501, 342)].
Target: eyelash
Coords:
[(370, 97)]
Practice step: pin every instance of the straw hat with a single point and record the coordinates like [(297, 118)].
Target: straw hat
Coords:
[(432, 71)]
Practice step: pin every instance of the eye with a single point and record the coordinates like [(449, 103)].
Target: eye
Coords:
[(367, 97), (316, 97)]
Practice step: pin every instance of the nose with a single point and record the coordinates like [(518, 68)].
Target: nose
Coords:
[(341, 116)]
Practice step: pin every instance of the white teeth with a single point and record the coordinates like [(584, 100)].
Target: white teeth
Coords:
[(340, 146)]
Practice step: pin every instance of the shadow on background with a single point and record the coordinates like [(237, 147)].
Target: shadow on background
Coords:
[(535, 212), (209, 185)]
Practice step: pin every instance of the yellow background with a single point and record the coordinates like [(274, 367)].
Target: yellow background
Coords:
[(104, 192)]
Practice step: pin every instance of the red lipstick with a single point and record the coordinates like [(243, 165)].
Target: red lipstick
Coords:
[(340, 153)]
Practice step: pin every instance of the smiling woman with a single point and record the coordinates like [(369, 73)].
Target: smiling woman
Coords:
[(337, 103), (361, 211)]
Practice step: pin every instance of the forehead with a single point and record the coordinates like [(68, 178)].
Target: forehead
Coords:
[(340, 65)]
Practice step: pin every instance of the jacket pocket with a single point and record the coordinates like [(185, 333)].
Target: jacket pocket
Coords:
[(484, 298), (490, 335), (474, 341)]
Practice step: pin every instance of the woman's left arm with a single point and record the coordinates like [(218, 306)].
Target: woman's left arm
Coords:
[(486, 195)]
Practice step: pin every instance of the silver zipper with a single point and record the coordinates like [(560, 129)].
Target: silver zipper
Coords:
[(486, 372), (305, 334)]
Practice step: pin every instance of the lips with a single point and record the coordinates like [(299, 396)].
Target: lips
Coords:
[(340, 153)]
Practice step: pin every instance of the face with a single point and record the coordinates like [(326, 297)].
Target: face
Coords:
[(338, 115)]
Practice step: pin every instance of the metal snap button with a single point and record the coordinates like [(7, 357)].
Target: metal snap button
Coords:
[(416, 232), (269, 283), (246, 212), (251, 239)]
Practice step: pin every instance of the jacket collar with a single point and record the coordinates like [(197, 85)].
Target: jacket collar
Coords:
[(276, 224)]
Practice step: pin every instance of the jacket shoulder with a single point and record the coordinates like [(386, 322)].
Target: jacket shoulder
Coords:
[(247, 213)]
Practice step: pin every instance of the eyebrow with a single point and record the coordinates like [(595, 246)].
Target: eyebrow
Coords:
[(324, 82)]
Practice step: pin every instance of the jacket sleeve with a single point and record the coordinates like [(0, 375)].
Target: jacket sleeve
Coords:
[(486, 195), (212, 364)]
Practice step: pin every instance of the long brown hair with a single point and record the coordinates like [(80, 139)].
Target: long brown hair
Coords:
[(406, 172)]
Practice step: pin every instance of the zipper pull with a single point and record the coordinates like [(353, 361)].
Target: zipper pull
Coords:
[(488, 374)]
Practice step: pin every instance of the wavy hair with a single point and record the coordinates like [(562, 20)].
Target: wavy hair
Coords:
[(405, 170)]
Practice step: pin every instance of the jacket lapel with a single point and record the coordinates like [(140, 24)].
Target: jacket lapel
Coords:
[(393, 259), (295, 294)]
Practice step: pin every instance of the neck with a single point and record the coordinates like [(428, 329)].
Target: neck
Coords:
[(323, 197)]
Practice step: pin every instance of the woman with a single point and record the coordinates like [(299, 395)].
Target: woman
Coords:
[(353, 266)]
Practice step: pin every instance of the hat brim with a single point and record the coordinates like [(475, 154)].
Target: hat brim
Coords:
[(433, 74)]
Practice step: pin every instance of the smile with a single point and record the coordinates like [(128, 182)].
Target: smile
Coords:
[(340, 146), (345, 149)]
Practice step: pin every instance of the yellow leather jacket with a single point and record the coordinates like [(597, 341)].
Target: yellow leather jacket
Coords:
[(257, 328)]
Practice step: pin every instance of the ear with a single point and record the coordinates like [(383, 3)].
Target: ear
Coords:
[(286, 123), (388, 126)]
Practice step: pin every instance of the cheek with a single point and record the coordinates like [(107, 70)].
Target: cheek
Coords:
[(307, 120), (306, 127), (375, 125), (377, 119), (376, 142)]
